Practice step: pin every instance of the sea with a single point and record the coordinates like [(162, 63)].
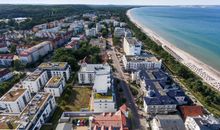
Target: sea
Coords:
[(193, 29)]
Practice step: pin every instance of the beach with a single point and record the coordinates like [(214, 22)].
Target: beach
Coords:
[(207, 73)]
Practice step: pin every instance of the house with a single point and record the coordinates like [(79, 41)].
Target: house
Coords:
[(6, 59), (144, 61), (191, 111), (35, 81), (132, 46), (55, 86), (110, 121), (56, 69), (167, 122), (5, 74), (206, 122), (33, 116), (15, 100)]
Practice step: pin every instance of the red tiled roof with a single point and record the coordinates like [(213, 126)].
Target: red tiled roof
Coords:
[(108, 120), (6, 56), (124, 108), (191, 111)]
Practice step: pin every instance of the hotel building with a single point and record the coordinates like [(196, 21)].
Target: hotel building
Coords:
[(132, 46)]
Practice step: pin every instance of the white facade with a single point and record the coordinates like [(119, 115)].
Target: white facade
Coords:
[(202, 123), (15, 100), (56, 69), (104, 105), (33, 54), (35, 81), (4, 49), (87, 72), (91, 32), (55, 86), (132, 46), (141, 62), (119, 32), (98, 27)]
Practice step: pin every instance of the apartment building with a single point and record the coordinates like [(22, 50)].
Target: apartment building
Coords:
[(34, 115), (15, 100), (35, 81), (56, 69), (144, 61), (55, 86), (5, 74), (91, 32), (132, 46), (87, 72), (119, 32), (34, 53), (6, 59)]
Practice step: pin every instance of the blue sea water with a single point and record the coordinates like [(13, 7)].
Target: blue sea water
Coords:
[(195, 30)]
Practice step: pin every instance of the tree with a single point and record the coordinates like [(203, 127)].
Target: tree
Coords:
[(18, 65), (13, 49)]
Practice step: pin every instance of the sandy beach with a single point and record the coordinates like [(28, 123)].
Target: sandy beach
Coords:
[(207, 73)]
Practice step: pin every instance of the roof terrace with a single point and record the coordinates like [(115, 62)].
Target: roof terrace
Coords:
[(54, 82), (53, 65), (12, 95), (34, 76)]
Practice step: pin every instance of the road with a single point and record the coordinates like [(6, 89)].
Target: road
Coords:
[(127, 92)]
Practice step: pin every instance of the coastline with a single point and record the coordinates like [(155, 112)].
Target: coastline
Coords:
[(206, 72)]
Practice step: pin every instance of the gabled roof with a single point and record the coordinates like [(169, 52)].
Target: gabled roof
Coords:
[(191, 111)]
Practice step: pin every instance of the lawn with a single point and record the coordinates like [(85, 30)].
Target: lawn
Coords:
[(77, 100)]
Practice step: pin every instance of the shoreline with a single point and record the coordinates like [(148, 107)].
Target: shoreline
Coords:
[(206, 72)]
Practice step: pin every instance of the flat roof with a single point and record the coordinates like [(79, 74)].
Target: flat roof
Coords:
[(53, 65), (98, 68), (33, 76), (102, 83), (9, 121), (12, 95), (54, 81), (142, 58), (132, 41)]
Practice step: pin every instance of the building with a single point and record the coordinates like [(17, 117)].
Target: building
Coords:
[(99, 42), (5, 74), (91, 32), (64, 126), (35, 81), (56, 69), (202, 123), (87, 72), (55, 86), (190, 111), (110, 121), (167, 122), (15, 100), (36, 52), (119, 32), (98, 27), (104, 94), (6, 59), (34, 115), (144, 61), (3, 48), (132, 46), (154, 84)]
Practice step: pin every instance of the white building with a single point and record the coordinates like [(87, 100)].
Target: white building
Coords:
[(119, 32), (132, 46), (98, 27), (55, 86), (144, 61), (15, 100), (91, 32), (3, 48), (35, 81), (6, 59), (202, 123), (36, 52), (103, 94), (87, 72), (56, 69), (5, 74), (35, 114), (167, 122)]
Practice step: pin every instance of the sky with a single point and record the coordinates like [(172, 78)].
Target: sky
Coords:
[(116, 2)]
